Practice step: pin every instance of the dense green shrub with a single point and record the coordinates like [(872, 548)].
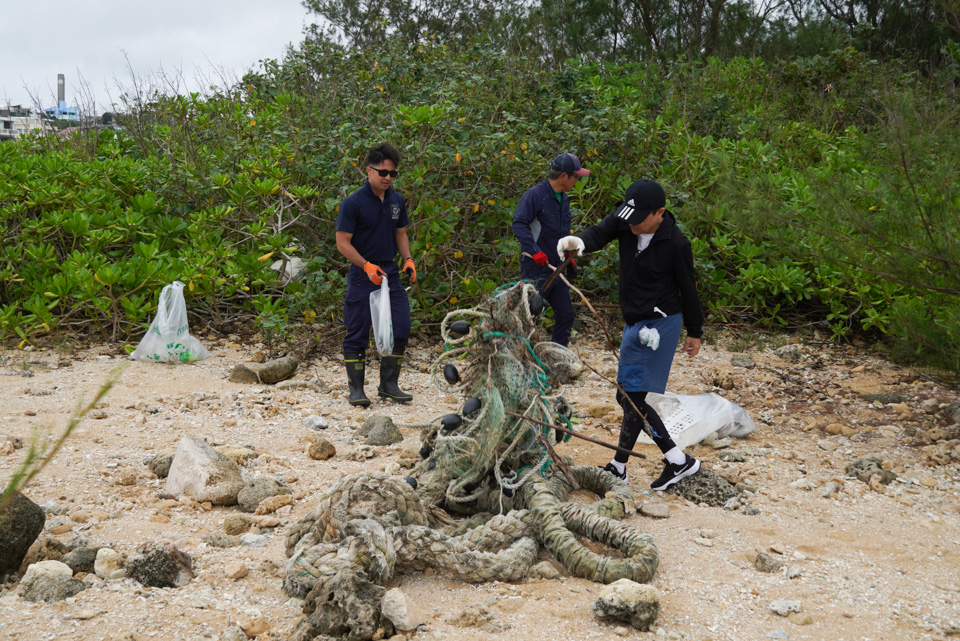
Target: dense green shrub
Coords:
[(818, 192)]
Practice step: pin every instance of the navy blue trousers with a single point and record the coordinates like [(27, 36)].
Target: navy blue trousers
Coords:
[(559, 299), (356, 309)]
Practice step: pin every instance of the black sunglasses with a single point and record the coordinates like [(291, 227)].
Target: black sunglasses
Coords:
[(393, 173)]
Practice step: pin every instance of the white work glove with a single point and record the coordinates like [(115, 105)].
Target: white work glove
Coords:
[(570, 244), (650, 337)]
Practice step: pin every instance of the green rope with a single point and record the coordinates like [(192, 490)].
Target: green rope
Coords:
[(502, 356), (542, 378)]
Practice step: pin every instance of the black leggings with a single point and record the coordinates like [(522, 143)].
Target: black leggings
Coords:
[(633, 423)]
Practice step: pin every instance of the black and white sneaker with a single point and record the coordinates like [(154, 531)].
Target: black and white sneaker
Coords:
[(620, 475), (673, 473)]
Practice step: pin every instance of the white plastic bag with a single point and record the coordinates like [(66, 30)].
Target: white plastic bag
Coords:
[(168, 340), (690, 418), (381, 319)]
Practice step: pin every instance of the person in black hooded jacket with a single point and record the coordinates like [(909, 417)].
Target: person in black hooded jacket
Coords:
[(658, 294)]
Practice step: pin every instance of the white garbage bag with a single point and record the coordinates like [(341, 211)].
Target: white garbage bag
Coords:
[(381, 319), (690, 418), (291, 268), (168, 340)]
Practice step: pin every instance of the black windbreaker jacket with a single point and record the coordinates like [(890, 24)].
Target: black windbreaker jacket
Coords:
[(660, 276)]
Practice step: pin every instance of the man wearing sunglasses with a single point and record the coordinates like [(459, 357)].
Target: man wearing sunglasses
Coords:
[(542, 218), (371, 229)]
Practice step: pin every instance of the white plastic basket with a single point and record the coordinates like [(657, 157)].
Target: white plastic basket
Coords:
[(690, 418)]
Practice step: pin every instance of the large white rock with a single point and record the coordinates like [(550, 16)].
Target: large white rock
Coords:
[(108, 561), (44, 568), (203, 473), (398, 608), (636, 604)]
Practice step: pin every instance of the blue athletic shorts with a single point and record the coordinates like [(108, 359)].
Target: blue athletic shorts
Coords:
[(641, 368)]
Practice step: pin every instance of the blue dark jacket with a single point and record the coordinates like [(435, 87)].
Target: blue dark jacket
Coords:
[(539, 223)]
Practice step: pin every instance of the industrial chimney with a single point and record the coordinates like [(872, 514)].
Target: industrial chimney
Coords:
[(61, 92)]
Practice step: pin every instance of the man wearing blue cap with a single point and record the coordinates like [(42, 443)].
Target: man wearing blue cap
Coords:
[(542, 218), (657, 295)]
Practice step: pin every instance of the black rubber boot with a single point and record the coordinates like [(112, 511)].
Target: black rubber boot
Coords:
[(389, 373), (354, 362)]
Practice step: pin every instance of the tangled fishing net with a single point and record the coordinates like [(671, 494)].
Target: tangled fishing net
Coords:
[(488, 493)]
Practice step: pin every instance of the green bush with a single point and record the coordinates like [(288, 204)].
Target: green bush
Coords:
[(817, 191)]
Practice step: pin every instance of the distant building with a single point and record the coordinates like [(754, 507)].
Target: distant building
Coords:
[(15, 121), (62, 111)]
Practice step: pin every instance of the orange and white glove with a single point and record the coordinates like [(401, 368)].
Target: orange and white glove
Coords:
[(410, 269), (374, 273)]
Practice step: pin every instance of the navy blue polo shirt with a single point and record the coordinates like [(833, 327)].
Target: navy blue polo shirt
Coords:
[(373, 223)]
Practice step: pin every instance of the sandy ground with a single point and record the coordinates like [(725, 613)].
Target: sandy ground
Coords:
[(866, 564)]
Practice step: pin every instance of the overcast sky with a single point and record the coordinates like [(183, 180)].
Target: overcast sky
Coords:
[(93, 40)]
